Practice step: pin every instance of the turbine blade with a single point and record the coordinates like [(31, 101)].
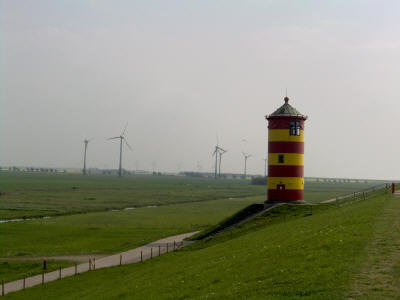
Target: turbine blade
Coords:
[(113, 138), (123, 132), (129, 146)]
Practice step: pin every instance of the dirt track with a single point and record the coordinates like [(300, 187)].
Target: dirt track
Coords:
[(73, 258), (132, 256)]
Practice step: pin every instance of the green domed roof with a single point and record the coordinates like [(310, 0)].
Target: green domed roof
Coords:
[(286, 110)]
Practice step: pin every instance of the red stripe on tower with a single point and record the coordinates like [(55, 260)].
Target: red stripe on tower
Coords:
[(285, 171), (286, 147)]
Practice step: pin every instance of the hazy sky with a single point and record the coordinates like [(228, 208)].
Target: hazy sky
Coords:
[(181, 72)]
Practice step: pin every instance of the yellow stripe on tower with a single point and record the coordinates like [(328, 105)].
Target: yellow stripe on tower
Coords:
[(289, 159), (291, 183), (282, 135)]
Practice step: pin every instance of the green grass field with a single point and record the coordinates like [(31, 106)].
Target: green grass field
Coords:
[(184, 205), (32, 195), (112, 231), (105, 232), (25, 195), (108, 232), (320, 256)]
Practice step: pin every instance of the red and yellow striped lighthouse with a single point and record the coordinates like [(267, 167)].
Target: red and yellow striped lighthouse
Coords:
[(286, 154)]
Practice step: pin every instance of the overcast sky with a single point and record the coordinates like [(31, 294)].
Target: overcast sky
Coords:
[(183, 72)]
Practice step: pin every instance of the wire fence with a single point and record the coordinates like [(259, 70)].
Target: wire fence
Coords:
[(383, 188), (132, 256), (339, 201), (286, 215)]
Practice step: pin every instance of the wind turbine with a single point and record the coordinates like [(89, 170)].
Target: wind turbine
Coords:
[(221, 152), (86, 142), (217, 152), (246, 156), (216, 160), (122, 138)]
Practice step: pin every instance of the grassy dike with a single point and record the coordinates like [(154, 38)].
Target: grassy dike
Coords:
[(379, 275), (317, 256)]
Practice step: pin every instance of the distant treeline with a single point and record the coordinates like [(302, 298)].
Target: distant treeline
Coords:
[(260, 180), (42, 170), (212, 175)]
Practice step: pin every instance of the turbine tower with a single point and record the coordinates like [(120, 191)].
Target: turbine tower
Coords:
[(217, 152), (246, 156), (86, 142), (216, 160), (221, 152), (122, 138)]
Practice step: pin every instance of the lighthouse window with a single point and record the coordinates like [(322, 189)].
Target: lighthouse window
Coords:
[(294, 128), (281, 158)]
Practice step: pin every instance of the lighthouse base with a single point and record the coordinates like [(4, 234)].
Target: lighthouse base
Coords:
[(269, 202), (285, 195)]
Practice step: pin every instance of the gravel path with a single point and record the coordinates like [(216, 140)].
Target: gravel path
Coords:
[(132, 256), (73, 258)]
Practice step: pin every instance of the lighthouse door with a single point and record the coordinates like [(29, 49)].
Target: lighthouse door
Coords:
[(280, 191)]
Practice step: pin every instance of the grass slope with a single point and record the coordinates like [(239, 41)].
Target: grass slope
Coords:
[(231, 220), (313, 257)]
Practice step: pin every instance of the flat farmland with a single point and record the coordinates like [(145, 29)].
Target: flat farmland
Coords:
[(102, 233), (109, 232), (101, 215), (25, 195), (326, 255), (35, 195)]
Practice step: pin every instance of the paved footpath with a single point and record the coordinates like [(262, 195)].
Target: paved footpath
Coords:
[(128, 257)]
